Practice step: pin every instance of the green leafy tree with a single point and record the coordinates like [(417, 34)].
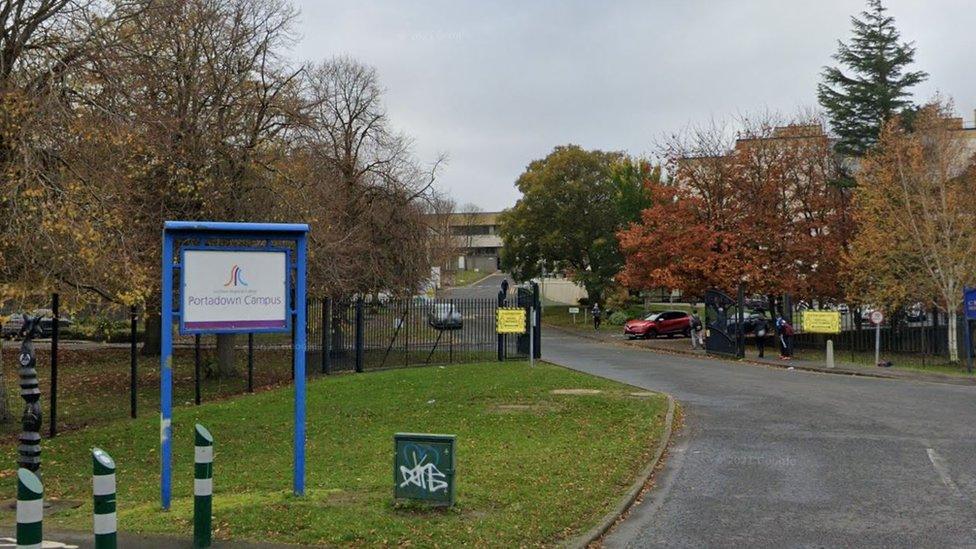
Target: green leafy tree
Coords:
[(573, 203), (876, 85)]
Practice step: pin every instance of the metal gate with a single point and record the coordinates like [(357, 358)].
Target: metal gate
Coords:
[(724, 321), (516, 346)]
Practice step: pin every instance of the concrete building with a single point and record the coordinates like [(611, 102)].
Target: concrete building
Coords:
[(477, 240)]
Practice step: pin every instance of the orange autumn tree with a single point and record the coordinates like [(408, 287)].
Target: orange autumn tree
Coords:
[(762, 210), (914, 206)]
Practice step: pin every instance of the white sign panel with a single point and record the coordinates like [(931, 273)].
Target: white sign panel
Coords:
[(234, 291)]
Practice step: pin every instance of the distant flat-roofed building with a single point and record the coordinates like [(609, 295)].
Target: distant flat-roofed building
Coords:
[(476, 240)]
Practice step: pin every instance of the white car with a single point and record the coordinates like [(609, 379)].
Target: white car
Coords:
[(444, 316)]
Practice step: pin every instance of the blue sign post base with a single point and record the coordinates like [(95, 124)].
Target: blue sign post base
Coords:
[(215, 236), (969, 311)]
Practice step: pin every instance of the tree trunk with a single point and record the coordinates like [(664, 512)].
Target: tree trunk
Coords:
[(151, 337), (226, 363), (953, 341)]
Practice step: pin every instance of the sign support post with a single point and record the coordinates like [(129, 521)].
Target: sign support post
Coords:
[(532, 337), (877, 317), (254, 299), (969, 313)]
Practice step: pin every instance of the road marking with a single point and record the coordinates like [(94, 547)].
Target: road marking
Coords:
[(46, 544), (938, 463)]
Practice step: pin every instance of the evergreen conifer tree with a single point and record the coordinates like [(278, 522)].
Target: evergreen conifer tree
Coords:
[(875, 86)]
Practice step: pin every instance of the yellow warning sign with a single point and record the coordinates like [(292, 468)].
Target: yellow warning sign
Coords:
[(510, 320), (821, 322)]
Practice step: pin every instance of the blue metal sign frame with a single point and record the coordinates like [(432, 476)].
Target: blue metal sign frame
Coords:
[(177, 232), (274, 249), (969, 302), (969, 314)]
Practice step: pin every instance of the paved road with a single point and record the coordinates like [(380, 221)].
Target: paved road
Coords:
[(772, 457), (485, 288)]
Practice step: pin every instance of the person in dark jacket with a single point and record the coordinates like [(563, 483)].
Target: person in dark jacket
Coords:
[(597, 314), (785, 331), (761, 333), (697, 331)]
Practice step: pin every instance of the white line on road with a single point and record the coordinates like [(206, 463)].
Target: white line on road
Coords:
[(940, 467)]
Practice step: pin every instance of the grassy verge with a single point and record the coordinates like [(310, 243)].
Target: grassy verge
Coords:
[(900, 361), (558, 315), (533, 467), (463, 278)]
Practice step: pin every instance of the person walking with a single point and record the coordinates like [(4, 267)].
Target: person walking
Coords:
[(761, 333), (697, 332), (597, 313), (785, 331)]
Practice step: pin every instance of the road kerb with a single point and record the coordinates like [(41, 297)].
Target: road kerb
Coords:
[(784, 365), (628, 499)]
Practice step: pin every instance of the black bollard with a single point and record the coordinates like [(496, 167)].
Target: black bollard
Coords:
[(29, 451)]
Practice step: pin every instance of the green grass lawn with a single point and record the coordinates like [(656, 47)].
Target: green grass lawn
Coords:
[(900, 361), (533, 467), (463, 278), (93, 384), (558, 315)]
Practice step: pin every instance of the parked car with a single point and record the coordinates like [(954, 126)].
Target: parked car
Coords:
[(916, 313), (11, 328), (445, 316), (667, 323)]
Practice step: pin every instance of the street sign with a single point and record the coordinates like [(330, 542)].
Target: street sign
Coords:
[(574, 310), (423, 468), (876, 317), (821, 322), (969, 303), (211, 285), (510, 320), (229, 290)]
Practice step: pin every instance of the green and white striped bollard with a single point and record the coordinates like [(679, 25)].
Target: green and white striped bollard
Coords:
[(103, 489), (202, 486), (30, 510)]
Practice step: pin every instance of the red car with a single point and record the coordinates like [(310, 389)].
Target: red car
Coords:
[(667, 323)]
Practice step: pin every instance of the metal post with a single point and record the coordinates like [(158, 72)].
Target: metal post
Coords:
[(196, 369), (298, 478), (360, 324), (326, 335), (132, 360), (537, 320), (740, 323), (293, 342), (103, 491), (55, 336), (501, 337), (250, 362), (532, 337), (30, 509), (877, 344), (166, 376), (406, 340), (202, 486)]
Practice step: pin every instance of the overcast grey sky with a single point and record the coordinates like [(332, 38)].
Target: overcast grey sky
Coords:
[(495, 85)]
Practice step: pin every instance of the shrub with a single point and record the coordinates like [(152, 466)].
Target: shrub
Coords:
[(618, 318)]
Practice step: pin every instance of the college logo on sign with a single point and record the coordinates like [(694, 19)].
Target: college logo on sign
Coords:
[(235, 277)]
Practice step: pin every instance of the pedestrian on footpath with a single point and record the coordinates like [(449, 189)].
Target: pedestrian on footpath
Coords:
[(597, 313), (761, 336), (785, 331), (697, 332)]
